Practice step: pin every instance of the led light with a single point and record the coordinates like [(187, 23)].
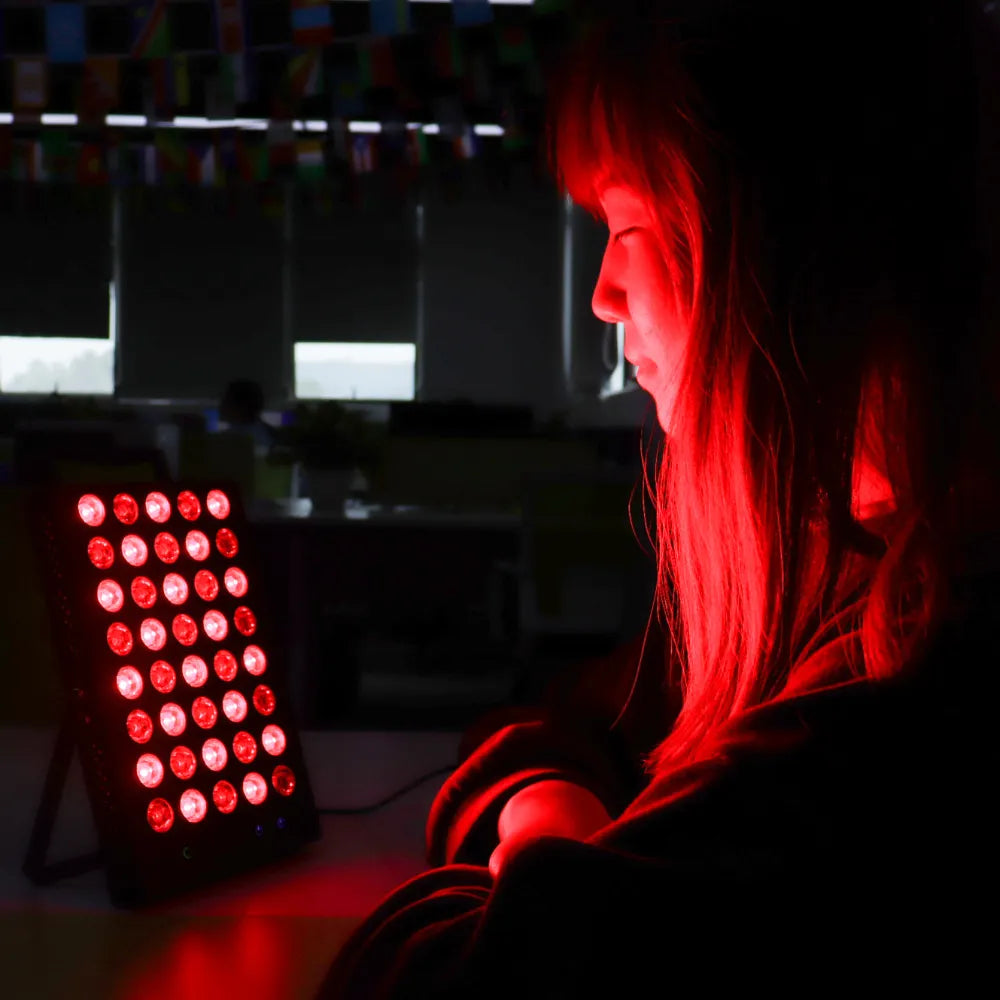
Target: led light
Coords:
[(217, 503), (172, 719), (193, 805), (182, 762), (126, 509), (236, 581), (225, 665), (283, 780), (224, 796), (254, 660), (214, 754), (263, 699), (226, 542), (188, 505), (139, 726), (195, 671), (110, 595), (245, 747), (101, 554), (254, 788), (204, 712), (205, 585), (185, 630), (175, 588), (120, 639), (245, 620), (162, 676), (197, 545), (129, 682), (134, 550), (91, 510), (160, 815), (149, 770), (158, 507), (215, 625), (153, 634), (273, 740), (143, 591), (166, 547), (235, 706)]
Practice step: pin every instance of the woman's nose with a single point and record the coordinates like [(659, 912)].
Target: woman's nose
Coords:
[(609, 302)]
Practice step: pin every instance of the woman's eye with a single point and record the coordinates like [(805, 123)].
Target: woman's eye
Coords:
[(625, 232)]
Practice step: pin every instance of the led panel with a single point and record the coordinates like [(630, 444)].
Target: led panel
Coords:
[(192, 760)]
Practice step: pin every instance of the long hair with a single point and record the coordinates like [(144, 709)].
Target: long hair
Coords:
[(813, 197)]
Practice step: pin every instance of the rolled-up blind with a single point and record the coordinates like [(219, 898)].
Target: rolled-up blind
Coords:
[(55, 261)]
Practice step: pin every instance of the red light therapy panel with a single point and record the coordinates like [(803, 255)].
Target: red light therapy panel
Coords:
[(192, 760)]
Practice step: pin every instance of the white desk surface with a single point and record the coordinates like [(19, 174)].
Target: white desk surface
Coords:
[(270, 934)]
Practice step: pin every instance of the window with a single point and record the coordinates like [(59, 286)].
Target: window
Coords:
[(325, 370)]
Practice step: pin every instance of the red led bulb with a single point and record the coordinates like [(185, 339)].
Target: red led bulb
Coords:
[(139, 726), (185, 630), (134, 550), (101, 554), (215, 625), (254, 660), (157, 507), (204, 712), (125, 508), (226, 542), (283, 780), (160, 815), (205, 585), (175, 588), (225, 665), (195, 671), (188, 506), (245, 747), (172, 719), (129, 682), (197, 545), (149, 770), (153, 634), (120, 639), (166, 547), (254, 788), (234, 705), (91, 510), (193, 805), (143, 591), (182, 762), (110, 595), (273, 740), (217, 503), (224, 796), (162, 676), (214, 754), (245, 620), (263, 699), (236, 581)]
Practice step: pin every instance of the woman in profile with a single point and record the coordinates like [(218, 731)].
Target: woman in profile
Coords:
[(791, 788)]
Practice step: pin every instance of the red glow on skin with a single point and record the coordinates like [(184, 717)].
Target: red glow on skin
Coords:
[(166, 547)]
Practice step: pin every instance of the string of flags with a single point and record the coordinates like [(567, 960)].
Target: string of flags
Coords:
[(482, 67)]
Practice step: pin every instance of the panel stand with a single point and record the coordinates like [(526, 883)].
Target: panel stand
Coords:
[(35, 866)]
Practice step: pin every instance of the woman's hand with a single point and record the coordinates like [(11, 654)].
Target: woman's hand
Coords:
[(551, 808)]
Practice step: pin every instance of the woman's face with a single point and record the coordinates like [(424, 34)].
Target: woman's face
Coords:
[(635, 288)]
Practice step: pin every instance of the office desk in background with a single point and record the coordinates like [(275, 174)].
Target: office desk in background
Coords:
[(269, 935)]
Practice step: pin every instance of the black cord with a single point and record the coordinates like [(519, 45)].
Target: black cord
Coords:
[(395, 795)]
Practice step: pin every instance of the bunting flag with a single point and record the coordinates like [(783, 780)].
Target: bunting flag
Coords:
[(310, 165), (150, 29), (64, 39), (389, 17), (311, 23), (447, 53), (514, 45), (30, 83), (98, 87), (471, 13), (91, 166), (305, 74), (363, 154), (377, 65), (230, 26), (171, 84), (203, 164), (466, 146)]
